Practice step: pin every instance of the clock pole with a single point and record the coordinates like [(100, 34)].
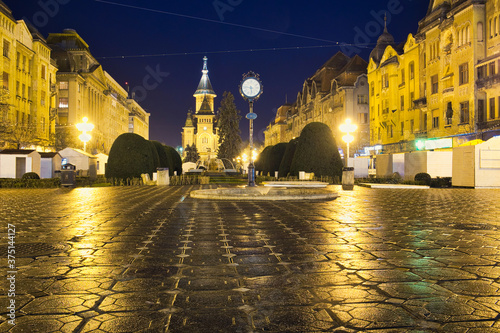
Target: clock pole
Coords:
[(250, 90), (251, 166)]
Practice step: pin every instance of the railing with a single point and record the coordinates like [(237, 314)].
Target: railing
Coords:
[(487, 82)]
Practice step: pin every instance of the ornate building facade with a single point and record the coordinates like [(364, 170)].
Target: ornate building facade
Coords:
[(441, 85), (338, 90), (84, 89), (27, 113), (201, 128)]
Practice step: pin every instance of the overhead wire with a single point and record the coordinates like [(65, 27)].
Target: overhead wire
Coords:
[(332, 43), (214, 21), (222, 51)]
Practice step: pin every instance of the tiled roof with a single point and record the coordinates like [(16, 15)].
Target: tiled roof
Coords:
[(205, 108)]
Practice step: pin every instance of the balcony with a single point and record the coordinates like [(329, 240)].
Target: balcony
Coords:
[(420, 103), (488, 82), (488, 125)]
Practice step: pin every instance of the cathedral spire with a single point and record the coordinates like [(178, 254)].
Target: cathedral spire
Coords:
[(205, 87)]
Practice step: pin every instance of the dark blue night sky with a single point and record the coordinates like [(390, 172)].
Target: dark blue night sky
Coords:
[(173, 36)]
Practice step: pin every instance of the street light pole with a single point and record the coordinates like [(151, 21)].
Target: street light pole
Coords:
[(251, 89), (251, 166), (347, 173)]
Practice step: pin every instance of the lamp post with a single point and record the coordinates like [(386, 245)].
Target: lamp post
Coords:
[(250, 90), (348, 127), (347, 172), (84, 128)]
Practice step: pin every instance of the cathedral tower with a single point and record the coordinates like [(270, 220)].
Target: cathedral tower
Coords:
[(201, 127)]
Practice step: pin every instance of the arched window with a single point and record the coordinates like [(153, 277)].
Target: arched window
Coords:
[(480, 31), (496, 26), (467, 34)]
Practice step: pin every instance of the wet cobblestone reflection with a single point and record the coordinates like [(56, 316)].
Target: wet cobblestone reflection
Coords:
[(151, 259)]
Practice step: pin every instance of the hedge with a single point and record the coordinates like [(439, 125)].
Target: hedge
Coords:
[(317, 152), (286, 161), (130, 156)]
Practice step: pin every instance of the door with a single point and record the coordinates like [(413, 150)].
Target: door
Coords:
[(20, 166)]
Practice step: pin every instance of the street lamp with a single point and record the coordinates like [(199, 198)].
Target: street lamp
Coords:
[(250, 90), (84, 128), (347, 173), (348, 128)]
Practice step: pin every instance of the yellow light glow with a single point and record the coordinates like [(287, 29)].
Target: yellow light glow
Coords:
[(348, 138), (348, 126)]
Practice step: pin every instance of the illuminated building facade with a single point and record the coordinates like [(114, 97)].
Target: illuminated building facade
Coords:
[(439, 84), (27, 115), (86, 90)]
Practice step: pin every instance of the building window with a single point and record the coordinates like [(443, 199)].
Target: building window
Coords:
[(481, 112), (42, 98), (402, 103), (463, 72), (412, 125), (385, 81), (435, 122), (403, 76), (434, 84), (63, 85), (402, 128), (385, 106), (492, 68), (379, 134), (412, 70), (43, 73), (362, 118), (18, 85), (498, 114), (24, 91), (464, 112), (480, 31), (63, 102), (425, 122), (482, 72), (5, 79), (425, 60), (492, 108), (449, 114), (372, 88), (362, 99), (6, 48)]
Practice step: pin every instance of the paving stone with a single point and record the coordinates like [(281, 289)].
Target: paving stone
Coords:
[(151, 259)]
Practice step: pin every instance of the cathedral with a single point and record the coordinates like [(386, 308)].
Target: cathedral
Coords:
[(201, 128)]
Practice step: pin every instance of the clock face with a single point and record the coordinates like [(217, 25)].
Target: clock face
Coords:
[(251, 87)]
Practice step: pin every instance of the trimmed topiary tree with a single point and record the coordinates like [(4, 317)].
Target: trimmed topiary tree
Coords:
[(154, 152), (162, 154), (174, 160), (423, 178), (286, 161), (275, 157), (317, 152), (262, 162), (30, 175), (130, 156)]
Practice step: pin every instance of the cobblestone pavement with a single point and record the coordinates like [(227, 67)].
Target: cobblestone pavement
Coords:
[(151, 259)]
